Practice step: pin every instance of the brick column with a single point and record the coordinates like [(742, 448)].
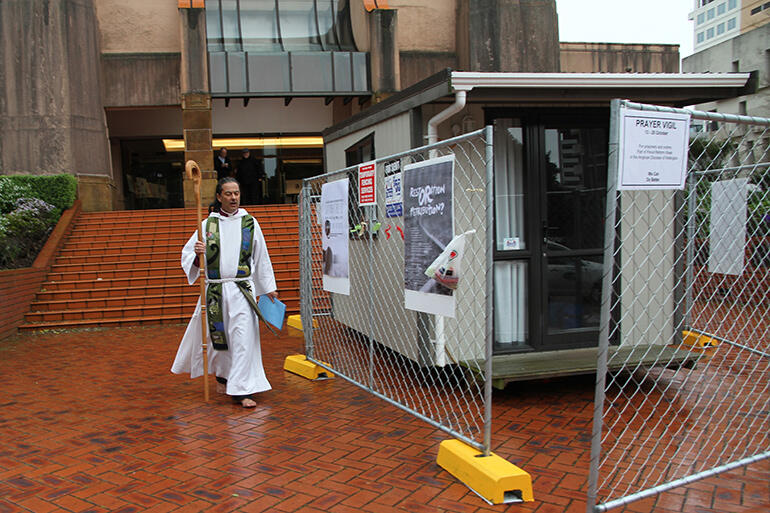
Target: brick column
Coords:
[(196, 99)]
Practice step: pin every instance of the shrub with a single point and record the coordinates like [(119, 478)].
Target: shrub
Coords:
[(24, 231), (57, 190), (11, 192)]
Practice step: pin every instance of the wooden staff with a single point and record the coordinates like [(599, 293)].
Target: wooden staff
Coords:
[(194, 173)]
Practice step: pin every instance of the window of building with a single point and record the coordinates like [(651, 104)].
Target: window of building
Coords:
[(756, 10), (266, 26), (766, 6), (710, 14), (736, 66), (710, 33), (721, 8), (701, 18), (731, 4), (731, 24), (720, 28), (700, 37)]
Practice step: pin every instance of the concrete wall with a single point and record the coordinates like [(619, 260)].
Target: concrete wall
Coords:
[(136, 80), (507, 35), (618, 58), (744, 53), (51, 118), (417, 65), (138, 26), (425, 26)]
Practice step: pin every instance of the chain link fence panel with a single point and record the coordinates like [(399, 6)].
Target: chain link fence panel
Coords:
[(688, 270), (434, 366)]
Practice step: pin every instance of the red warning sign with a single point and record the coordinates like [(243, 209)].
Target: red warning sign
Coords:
[(367, 192)]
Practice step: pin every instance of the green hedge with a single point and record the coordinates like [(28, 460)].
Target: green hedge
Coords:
[(30, 206), (56, 190)]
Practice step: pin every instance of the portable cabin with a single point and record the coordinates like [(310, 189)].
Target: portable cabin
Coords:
[(550, 177)]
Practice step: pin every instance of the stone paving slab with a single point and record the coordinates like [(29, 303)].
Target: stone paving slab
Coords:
[(93, 421)]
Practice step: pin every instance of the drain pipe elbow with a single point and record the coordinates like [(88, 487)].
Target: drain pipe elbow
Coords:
[(445, 114)]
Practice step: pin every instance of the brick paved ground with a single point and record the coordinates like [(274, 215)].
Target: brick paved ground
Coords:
[(93, 421)]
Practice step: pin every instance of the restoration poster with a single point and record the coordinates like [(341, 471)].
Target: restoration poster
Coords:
[(334, 236), (428, 228)]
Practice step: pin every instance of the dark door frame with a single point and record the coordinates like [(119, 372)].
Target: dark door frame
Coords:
[(534, 122)]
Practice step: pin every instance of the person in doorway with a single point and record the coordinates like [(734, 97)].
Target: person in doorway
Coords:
[(222, 164), (238, 271), (251, 176)]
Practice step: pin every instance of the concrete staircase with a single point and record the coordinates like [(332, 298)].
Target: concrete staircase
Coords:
[(123, 269)]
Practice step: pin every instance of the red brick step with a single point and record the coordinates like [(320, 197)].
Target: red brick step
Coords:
[(123, 269)]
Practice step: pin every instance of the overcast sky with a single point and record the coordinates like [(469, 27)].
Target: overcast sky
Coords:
[(627, 21)]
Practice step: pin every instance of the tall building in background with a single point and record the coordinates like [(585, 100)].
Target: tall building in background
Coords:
[(720, 20), (733, 36)]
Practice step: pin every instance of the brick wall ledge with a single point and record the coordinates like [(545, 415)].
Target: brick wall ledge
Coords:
[(18, 287), (61, 230)]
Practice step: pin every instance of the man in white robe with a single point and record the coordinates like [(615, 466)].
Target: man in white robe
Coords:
[(240, 365)]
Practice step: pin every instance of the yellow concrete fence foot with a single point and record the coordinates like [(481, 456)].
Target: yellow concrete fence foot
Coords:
[(693, 339), (491, 477), (300, 365), (295, 322)]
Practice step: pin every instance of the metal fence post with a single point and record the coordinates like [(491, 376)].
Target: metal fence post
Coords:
[(370, 264), (606, 308), (692, 219), (489, 155), (306, 269)]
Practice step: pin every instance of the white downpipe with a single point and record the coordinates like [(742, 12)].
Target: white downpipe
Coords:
[(439, 334), (445, 114)]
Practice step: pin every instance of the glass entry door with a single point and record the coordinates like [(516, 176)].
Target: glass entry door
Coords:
[(572, 233), (550, 186)]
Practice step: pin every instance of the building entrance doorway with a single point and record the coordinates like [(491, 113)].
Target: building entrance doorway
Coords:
[(152, 177), (550, 187)]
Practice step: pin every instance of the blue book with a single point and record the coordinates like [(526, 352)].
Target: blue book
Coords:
[(273, 312)]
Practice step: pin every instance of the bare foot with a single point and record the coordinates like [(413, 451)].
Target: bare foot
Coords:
[(248, 402), (221, 388)]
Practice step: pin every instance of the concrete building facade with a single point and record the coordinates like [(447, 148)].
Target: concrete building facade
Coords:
[(120, 93)]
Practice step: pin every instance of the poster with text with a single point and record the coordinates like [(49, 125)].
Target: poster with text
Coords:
[(334, 236), (653, 149), (428, 228)]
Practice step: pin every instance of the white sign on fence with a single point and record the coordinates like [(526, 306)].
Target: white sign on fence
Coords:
[(653, 149), (727, 236)]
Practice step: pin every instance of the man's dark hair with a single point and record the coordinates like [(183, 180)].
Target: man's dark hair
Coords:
[(216, 205)]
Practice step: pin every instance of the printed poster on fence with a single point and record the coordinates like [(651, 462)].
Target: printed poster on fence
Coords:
[(367, 184), (428, 228), (394, 206), (334, 236), (727, 236), (652, 150)]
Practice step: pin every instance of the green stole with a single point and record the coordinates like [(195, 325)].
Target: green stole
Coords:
[(214, 290)]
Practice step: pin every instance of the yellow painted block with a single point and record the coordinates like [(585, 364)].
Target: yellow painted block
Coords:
[(492, 477), (300, 365), (690, 338), (295, 321)]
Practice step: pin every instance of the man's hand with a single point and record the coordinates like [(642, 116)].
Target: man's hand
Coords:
[(200, 248), (272, 295)]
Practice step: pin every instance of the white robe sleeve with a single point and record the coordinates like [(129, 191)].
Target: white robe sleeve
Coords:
[(262, 269), (189, 257)]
